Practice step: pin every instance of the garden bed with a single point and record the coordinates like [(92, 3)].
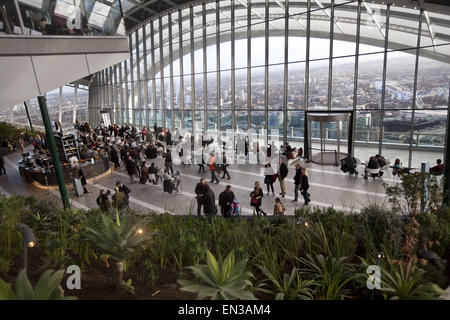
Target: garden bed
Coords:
[(318, 254)]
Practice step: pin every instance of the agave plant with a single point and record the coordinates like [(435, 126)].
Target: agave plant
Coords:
[(290, 287), (47, 288), (398, 284), (330, 274), (225, 280), (118, 239)]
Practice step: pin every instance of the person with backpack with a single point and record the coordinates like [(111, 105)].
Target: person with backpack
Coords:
[(103, 202), (278, 208), (119, 200), (256, 199), (226, 198), (123, 188), (282, 174)]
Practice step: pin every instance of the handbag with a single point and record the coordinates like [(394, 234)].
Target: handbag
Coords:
[(254, 201), (151, 177), (274, 177)]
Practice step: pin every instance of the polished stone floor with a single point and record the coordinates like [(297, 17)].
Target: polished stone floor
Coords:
[(328, 187)]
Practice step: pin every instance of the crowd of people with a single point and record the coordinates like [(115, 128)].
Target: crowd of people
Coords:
[(129, 148)]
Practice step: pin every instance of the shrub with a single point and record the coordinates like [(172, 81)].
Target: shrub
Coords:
[(225, 280), (47, 287)]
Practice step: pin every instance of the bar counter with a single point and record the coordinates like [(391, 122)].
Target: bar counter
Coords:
[(32, 173)]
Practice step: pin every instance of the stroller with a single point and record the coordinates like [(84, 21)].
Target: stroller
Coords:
[(349, 165)]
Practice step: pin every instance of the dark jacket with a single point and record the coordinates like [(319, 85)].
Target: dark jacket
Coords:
[(114, 155), (304, 185), (297, 177), (168, 158), (226, 197), (151, 153), (126, 191), (208, 200), (283, 170), (131, 167)]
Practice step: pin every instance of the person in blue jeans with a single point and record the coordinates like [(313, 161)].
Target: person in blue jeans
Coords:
[(297, 181), (304, 186)]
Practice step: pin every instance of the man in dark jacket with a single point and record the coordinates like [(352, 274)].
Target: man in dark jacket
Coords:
[(115, 157), (169, 141), (226, 197), (131, 169), (297, 181), (168, 160), (205, 198), (123, 188), (282, 174)]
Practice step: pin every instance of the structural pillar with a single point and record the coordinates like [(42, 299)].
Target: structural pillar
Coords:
[(53, 151), (28, 115)]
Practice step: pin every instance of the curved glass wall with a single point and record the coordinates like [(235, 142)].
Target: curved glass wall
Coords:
[(66, 105), (238, 64)]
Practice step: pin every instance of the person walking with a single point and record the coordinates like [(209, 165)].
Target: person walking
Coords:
[(256, 199), (213, 168), (82, 177), (297, 181), (201, 166), (278, 208), (226, 198), (224, 167), (304, 186), (282, 174), (269, 174), (131, 169), (168, 160)]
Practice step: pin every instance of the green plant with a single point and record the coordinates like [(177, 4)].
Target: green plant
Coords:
[(289, 287), (400, 283), (47, 287), (331, 276), (119, 239), (127, 286), (12, 210), (150, 274), (220, 280)]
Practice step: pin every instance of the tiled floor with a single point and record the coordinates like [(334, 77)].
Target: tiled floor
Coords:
[(328, 187)]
